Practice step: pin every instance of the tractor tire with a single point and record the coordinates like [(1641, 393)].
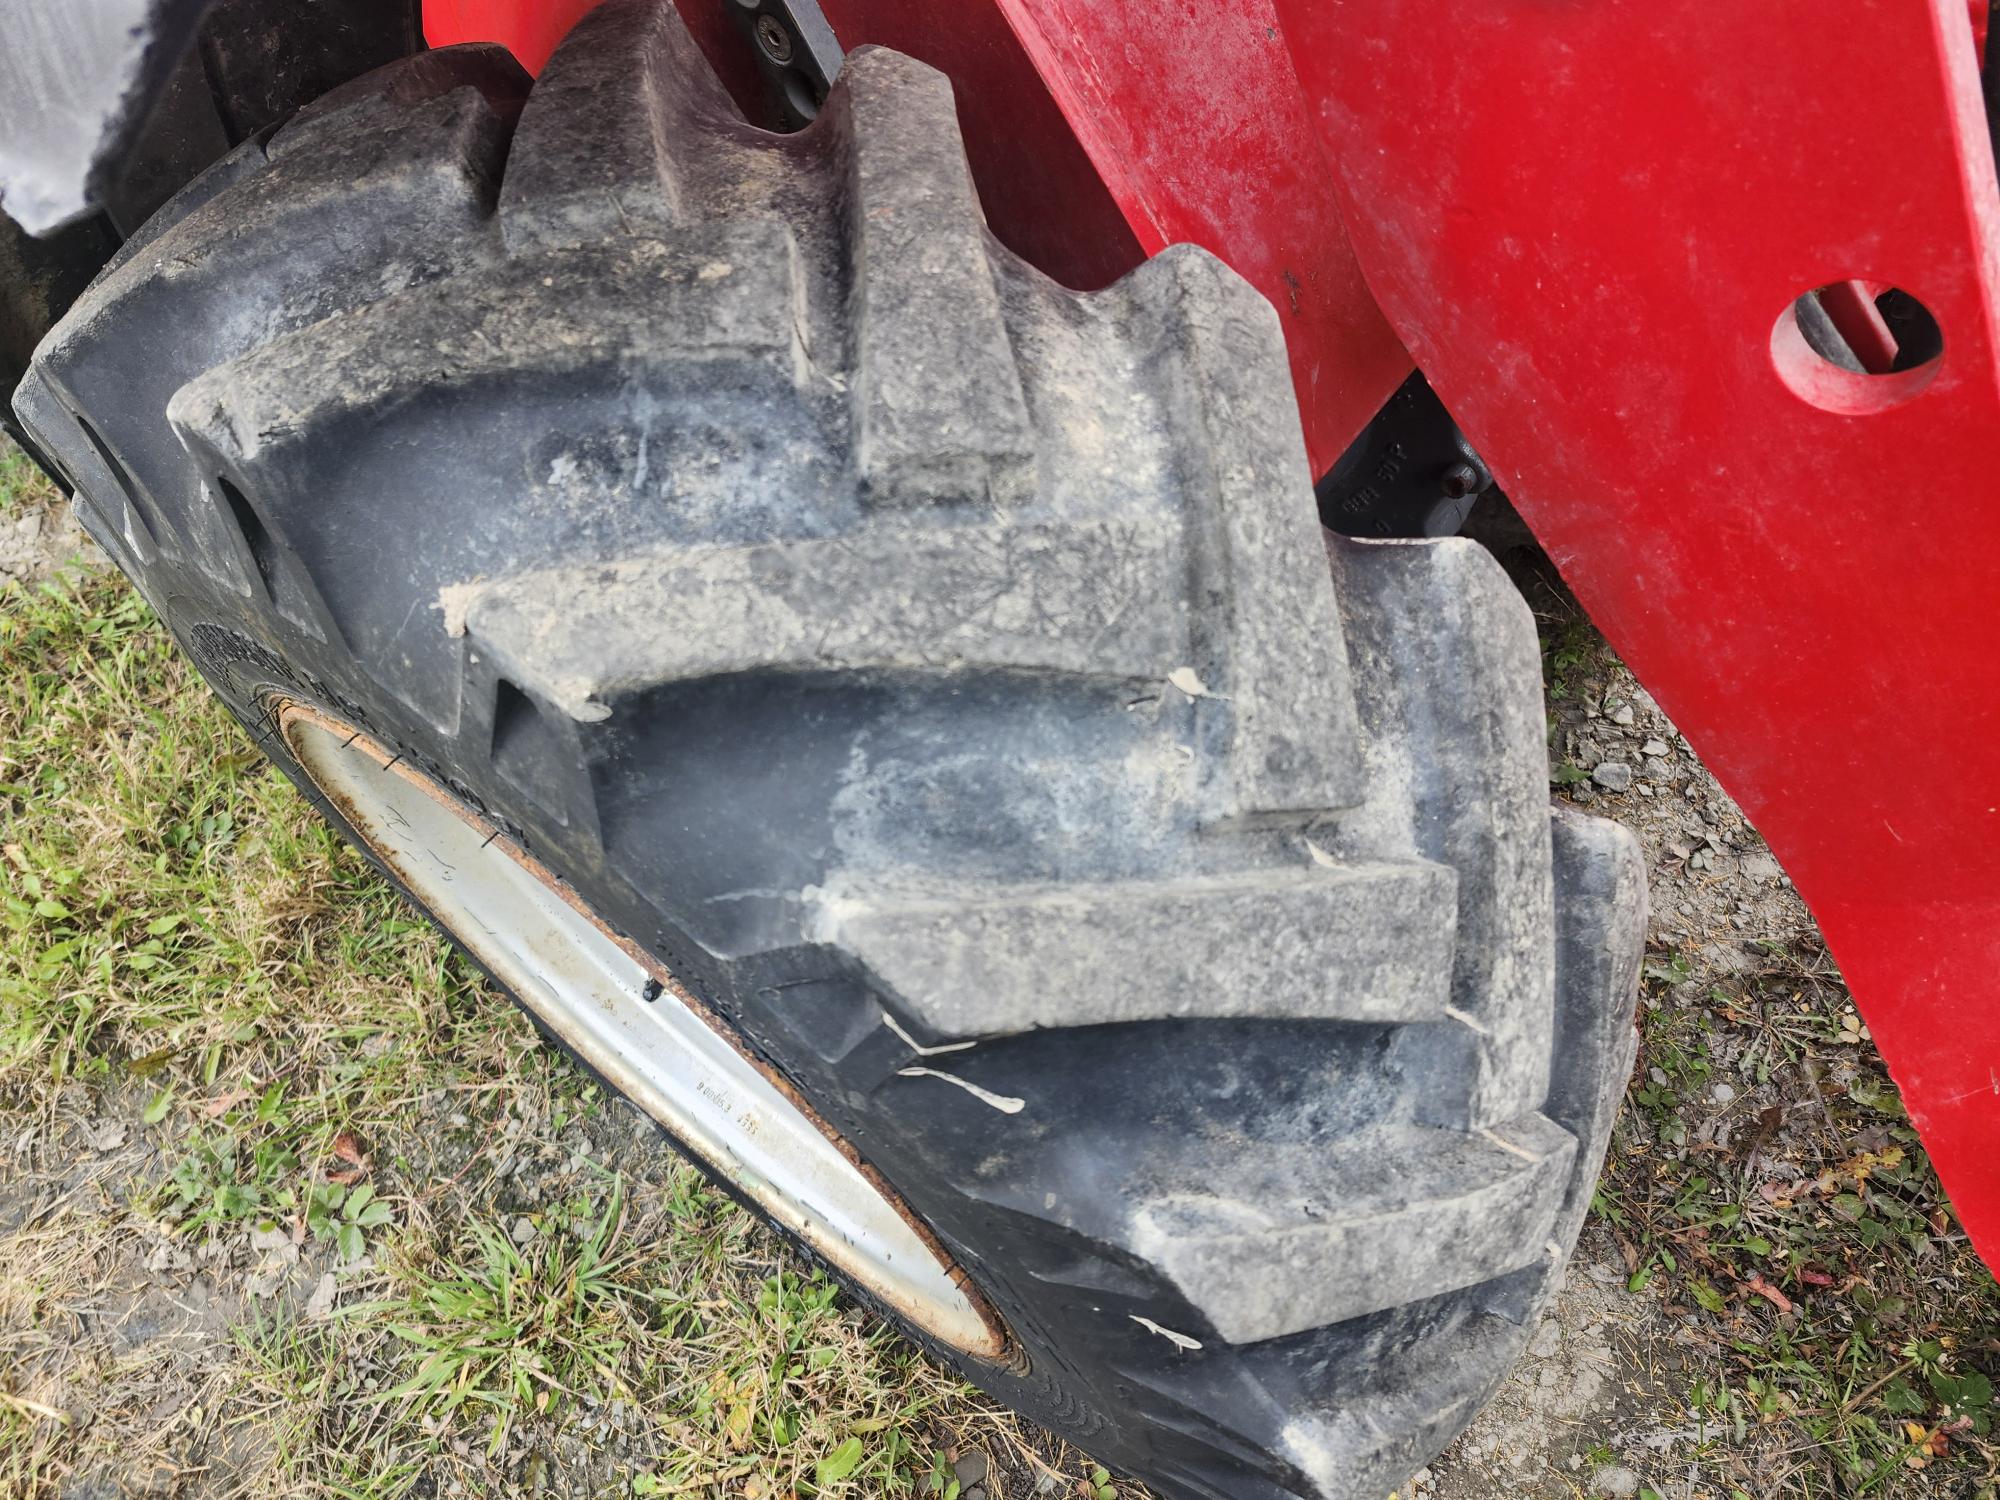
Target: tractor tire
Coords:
[(932, 680)]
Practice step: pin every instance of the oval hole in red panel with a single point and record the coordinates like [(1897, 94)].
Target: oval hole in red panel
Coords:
[(1857, 347)]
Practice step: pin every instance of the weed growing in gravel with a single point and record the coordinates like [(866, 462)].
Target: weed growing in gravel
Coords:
[(515, 1327), (21, 483)]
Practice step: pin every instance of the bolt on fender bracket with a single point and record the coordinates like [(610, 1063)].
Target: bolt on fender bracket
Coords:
[(796, 51)]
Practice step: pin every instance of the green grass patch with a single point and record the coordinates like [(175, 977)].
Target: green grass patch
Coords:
[(184, 944), (21, 483)]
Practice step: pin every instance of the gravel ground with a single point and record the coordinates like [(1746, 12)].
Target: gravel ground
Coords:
[(1598, 1406), (1730, 1267), (1756, 1083)]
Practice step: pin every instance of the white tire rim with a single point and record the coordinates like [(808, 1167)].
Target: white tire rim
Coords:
[(667, 1053)]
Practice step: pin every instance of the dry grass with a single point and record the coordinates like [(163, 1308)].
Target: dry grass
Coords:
[(218, 1032)]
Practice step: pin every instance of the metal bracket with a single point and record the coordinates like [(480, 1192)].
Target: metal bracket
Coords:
[(796, 51), (1410, 473)]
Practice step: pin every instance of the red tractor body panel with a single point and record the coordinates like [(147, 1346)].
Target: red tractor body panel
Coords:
[(1589, 225)]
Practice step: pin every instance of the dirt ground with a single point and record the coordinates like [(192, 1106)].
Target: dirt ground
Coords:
[(1598, 1406), (37, 539), (1763, 1193), (1770, 1300)]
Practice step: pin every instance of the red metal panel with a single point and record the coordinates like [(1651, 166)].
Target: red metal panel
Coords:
[(1588, 222), (529, 29)]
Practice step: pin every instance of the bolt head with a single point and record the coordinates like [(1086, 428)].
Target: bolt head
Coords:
[(1459, 481), (774, 39)]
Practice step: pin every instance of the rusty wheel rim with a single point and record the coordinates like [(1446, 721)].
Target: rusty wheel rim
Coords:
[(622, 1013)]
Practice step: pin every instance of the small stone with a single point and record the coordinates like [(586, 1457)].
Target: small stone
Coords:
[(522, 1231), (1653, 747), (970, 1469), (1760, 866), (1615, 1479), (1622, 714), (107, 1136), (1548, 1339), (1613, 776), (1723, 1093), (320, 1304)]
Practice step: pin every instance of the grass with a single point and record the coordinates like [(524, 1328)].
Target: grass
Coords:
[(1852, 1329), (311, 1091)]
